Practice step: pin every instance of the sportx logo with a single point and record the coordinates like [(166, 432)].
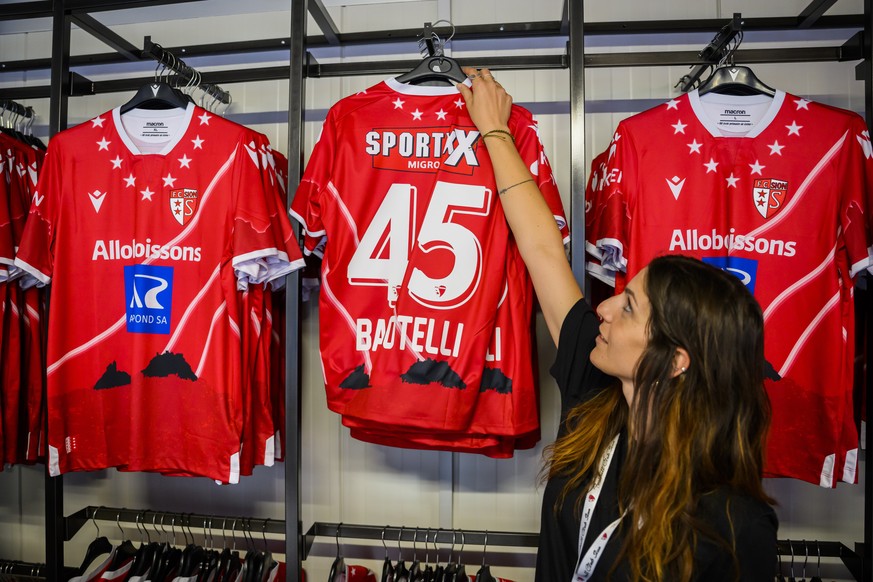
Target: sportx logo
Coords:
[(425, 149), (148, 291), (746, 270)]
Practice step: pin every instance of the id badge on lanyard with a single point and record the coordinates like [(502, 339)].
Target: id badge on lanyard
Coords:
[(586, 564)]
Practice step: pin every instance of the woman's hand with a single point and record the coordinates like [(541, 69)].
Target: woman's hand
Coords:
[(488, 103)]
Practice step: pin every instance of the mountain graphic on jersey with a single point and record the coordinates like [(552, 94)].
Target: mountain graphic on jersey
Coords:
[(356, 380), (429, 371), (169, 364), (112, 378), (495, 379)]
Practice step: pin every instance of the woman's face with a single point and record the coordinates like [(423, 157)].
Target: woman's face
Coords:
[(623, 333)]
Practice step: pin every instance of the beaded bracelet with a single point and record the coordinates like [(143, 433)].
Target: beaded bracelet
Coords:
[(501, 192), (499, 131)]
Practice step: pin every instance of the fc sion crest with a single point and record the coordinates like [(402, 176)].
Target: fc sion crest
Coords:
[(183, 204), (769, 196)]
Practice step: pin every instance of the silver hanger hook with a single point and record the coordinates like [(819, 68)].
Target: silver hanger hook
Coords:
[(415, 545), (791, 549), (383, 540), (339, 528), (264, 534), (485, 547), (94, 520), (118, 523), (399, 547), (805, 559)]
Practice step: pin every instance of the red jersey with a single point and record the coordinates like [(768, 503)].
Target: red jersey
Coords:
[(775, 191), (146, 225), (415, 264)]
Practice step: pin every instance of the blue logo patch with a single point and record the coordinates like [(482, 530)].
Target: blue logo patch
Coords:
[(148, 294), (745, 270)]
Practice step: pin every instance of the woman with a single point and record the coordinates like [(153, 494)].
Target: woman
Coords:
[(656, 473)]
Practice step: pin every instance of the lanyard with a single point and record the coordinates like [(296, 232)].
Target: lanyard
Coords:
[(587, 563)]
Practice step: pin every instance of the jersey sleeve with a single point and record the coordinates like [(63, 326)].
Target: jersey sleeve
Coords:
[(607, 222), (532, 151), (597, 179), (35, 257), (264, 249), (306, 207), (856, 199)]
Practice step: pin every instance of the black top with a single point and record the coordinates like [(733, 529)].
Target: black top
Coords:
[(754, 522)]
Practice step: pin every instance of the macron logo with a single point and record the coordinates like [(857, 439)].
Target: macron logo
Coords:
[(733, 73), (675, 185), (97, 198), (37, 199), (155, 89)]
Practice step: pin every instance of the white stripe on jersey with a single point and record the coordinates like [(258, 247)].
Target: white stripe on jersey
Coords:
[(789, 361), (89, 344), (797, 285), (341, 309), (345, 212), (190, 309), (215, 317), (795, 200)]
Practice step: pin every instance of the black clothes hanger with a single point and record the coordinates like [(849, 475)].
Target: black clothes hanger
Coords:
[(435, 68), (338, 568), (401, 573), (157, 96), (484, 573), (817, 577), (387, 566), (96, 548), (735, 80), (124, 552)]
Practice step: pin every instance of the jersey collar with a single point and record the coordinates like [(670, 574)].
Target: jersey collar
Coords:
[(128, 142), (711, 127)]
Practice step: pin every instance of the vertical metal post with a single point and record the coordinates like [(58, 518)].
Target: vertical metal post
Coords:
[(867, 549), (293, 377), (60, 91), (576, 54)]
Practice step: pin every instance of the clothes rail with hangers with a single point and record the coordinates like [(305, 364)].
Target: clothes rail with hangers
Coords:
[(823, 549), (410, 534), (188, 74), (75, 521), (16, 108), (21, 570)]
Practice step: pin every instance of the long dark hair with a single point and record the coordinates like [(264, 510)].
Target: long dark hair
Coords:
[(691, 433)]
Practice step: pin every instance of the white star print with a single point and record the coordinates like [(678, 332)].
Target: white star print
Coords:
[(756, 168), (116, 163), (130, 181), (732, 182), (802, 104), (459, 103), (204, 119), (169, 180), (711, 165), (184, 161), (673, 104), (146, 194), (679, 127), (775, 148), (398, 104), (794, 128), (104, 144), (694, 147), (417, 115), (441, 114), (97, 121), (198, 143)]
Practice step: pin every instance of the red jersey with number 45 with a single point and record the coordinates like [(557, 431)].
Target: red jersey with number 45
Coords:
[(414, 268), (777, 191), (146, 225)]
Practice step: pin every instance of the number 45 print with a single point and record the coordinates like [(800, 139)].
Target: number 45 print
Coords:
[(392, 237)]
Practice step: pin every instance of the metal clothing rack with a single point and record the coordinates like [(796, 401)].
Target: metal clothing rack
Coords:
[(64, 84), (188, 75), (17, 570)]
